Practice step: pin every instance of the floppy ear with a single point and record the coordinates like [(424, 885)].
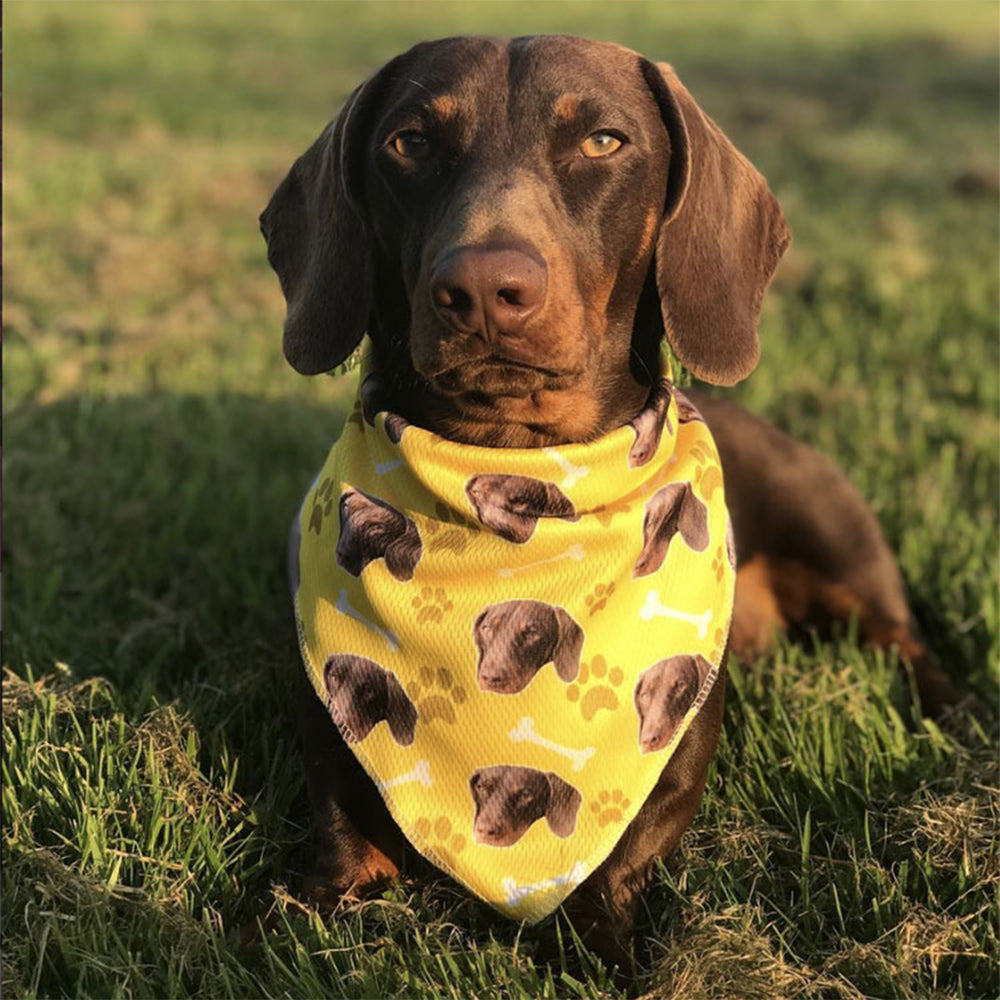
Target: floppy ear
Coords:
[(722, 236), (400, 712), (569, 645), (564, 801), (692, 522), (318, 243), (403, 554)]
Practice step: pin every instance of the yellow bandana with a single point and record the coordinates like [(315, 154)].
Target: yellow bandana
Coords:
[(514, 641)]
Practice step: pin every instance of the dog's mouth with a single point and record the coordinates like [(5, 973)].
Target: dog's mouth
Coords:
[(498, 376)]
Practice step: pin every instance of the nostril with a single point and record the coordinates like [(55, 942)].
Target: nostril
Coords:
[(510, 296), (454, 298)]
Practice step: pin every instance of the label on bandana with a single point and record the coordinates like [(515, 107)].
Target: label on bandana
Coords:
[(514, 641)]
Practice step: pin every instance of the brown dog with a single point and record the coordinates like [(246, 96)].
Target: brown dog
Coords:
[(512, 505), (663, 696), (370, 529), (670, 511), (517, 638), (363, 694), (517, 225), (509, 799)]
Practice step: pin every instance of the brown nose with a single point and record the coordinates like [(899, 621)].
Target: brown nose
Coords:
[(488, 290)]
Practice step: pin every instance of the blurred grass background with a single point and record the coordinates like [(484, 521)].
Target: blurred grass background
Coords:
[(156, 444)]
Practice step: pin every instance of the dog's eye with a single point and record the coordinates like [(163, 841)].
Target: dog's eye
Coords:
[(523, 797), (411, 145), (600, 144)]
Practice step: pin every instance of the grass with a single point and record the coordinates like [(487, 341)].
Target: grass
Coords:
[(154, 818)]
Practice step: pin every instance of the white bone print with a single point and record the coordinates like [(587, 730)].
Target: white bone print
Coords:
[(343, 605), (653, 608), (515, 893), (525, 730), (574, 473), (421, 772), (381, 468), (574, 552)]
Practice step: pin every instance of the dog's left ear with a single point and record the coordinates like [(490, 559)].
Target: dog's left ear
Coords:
[(564, 801), (318, 242), (569, 645), (403, 554), (721, 238), (400, 711)]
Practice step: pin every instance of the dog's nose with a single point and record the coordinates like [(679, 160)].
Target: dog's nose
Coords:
[(488, 290)]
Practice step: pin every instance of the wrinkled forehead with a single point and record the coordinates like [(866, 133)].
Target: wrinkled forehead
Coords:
[(525, 84)]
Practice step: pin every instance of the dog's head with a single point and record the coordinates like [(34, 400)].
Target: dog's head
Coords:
[(517, 638), (512, 505), (371, 529), (509, 799), (534, 214), (363, 694), (663, 695)]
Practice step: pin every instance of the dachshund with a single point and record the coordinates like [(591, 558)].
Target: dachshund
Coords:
[(509, 799), (371, 529), (517, 638), (518, 225)]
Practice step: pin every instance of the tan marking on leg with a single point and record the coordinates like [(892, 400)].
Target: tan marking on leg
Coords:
[(757, 616)]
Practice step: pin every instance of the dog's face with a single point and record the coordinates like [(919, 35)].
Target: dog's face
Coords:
[(517, 638), (509, 799), (512, 505), (371, 529), (672, 510), (491, 212), (663, 695), (362, 694)]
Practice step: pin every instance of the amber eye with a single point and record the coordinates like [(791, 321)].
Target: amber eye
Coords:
[(600, 144), (411, 145)]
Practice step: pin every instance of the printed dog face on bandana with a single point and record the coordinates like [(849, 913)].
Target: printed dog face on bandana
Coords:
[(517, 638), (672, 510), (509, 799), (663, 695), (363, 694), (512, 505), (370, 529)]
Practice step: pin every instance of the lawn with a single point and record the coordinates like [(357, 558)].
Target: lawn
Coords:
[(154, 815)]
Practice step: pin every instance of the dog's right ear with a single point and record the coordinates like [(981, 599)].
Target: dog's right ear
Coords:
[(318, 242)]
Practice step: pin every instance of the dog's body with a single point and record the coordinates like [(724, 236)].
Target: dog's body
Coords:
[(516, 252)]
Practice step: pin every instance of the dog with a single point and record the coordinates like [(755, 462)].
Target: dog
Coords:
[(371, 529), (663, 696), (516, 639), (509, 799), (362, 694), (512, 505), (518, 225), (672, 510)]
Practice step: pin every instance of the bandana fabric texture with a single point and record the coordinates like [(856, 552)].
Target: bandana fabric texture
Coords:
[(514, 641)]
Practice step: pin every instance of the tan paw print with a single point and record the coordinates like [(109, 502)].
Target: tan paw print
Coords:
[(596, 696), (707, 479), (431, 605), (441, 838), (449, 530), (436, 694), (323, 503), (609, 807), (357, 416), (720, 646), (598, 598), (719, 563)]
